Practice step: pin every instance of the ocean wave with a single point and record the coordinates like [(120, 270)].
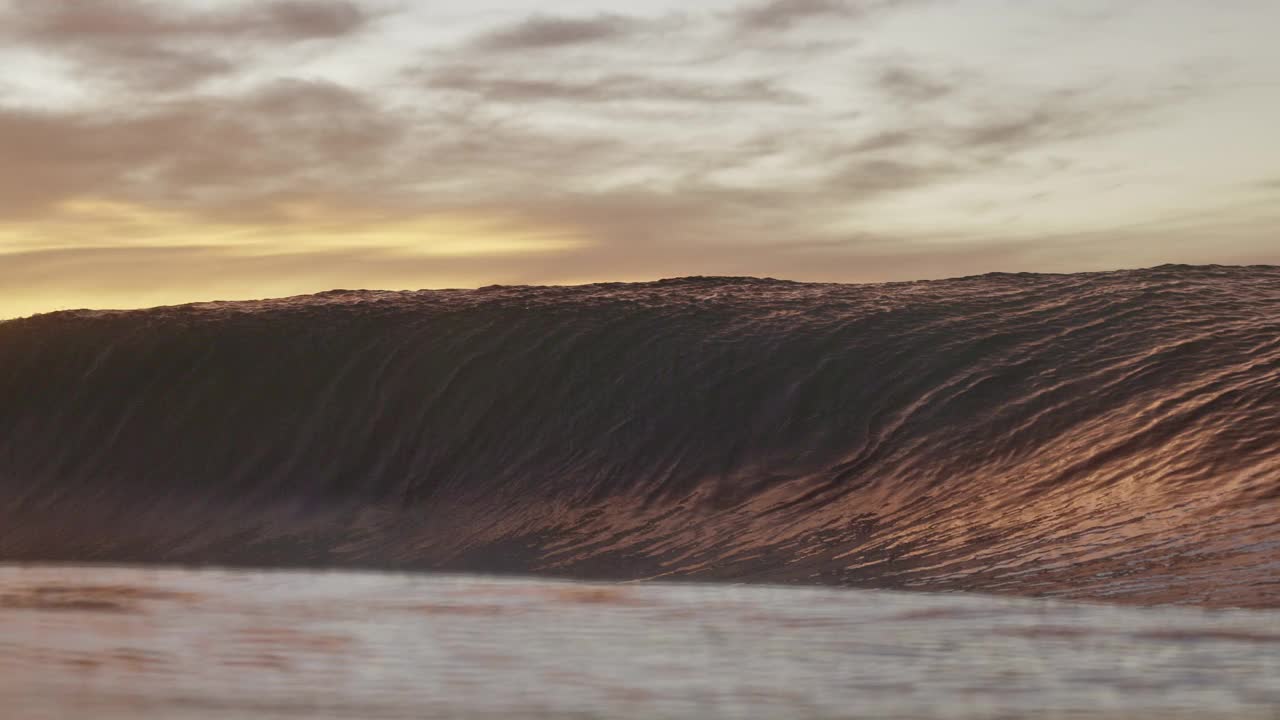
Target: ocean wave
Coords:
[(1100, 435)]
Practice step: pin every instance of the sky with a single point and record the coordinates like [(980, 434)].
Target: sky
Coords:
[(188, 150)]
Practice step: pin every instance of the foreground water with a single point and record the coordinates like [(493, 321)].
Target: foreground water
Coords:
[(1100, 436), (112, 643)]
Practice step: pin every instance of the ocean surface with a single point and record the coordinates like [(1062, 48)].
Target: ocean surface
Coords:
[(109, 643), (1102, 436)]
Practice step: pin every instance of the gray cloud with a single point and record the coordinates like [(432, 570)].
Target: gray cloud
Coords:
[(158, 48), (547, 31), (911, 85), (861, 179), (285, 136), (976, 122), (609, 87), (311, 19), (1056, 117), (889, 140), (782, 14), (106, 21)]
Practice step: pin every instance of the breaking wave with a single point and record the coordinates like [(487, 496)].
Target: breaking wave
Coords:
[(1101, 435)]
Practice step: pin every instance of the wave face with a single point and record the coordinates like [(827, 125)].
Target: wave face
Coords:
[(1102, 435)]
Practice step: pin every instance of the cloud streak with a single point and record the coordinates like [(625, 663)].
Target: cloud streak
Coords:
[(167, 47), (550, 31), (783, 15), (612, 87), (57, 22), (776, 15)]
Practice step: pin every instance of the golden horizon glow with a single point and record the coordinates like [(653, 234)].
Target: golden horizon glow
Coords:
[(84, 222), (293, 229)]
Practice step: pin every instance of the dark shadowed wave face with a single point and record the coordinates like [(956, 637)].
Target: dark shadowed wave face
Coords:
[(1103, 435)]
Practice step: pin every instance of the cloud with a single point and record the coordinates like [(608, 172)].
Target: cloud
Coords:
[(310, 19), (609, 87), (888, 140), (278, 138), (1055, 117), (911, 85), (163, 47), (863, 179), (548, 31), (108, 21), (269, 155), (783, 14), (974, 120), (619, 159)]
